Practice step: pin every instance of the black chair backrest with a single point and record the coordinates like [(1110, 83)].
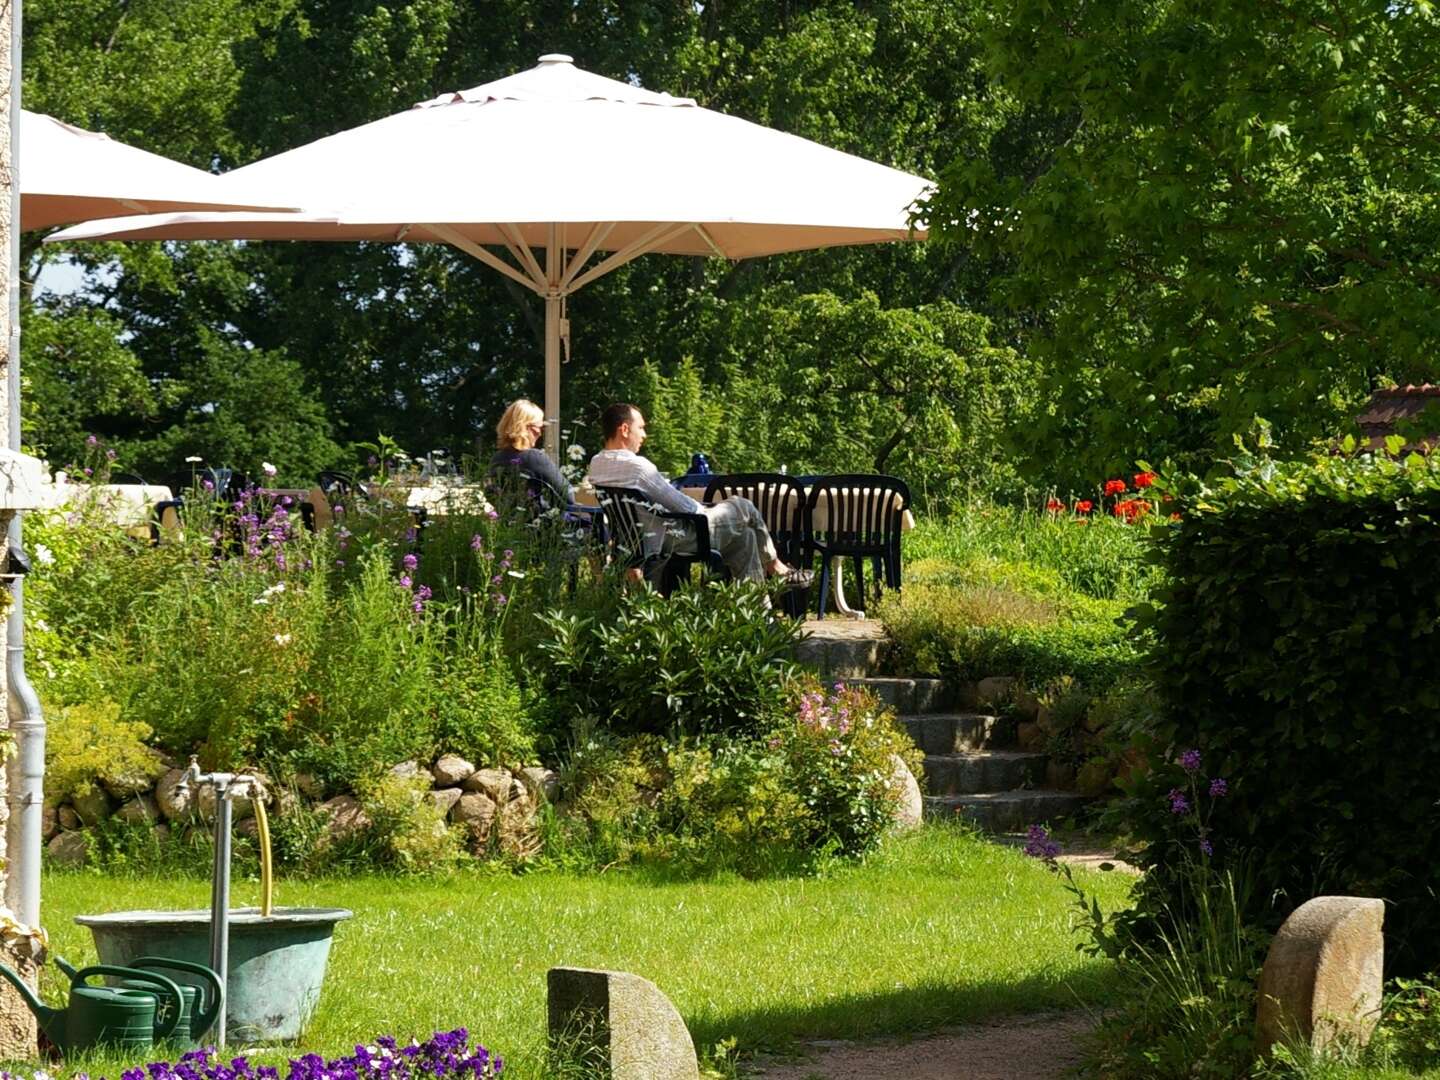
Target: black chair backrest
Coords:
[(625, 520), (518, 485), (779, 499), (335, 485), (222, 482), (862, 510)]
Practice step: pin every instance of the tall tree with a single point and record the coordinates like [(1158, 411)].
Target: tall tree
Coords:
[(1236, 215)]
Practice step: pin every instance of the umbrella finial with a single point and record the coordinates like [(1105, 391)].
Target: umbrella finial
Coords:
[(556, 58)]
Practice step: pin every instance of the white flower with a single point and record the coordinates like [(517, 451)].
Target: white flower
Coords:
[(264, 597), (282, 639), (515, 573), (575, 452), (267, 468), (44, 556), (42, 626), (193, 460)]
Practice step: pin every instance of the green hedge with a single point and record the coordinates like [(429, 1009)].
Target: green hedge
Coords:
[(1295, 645)]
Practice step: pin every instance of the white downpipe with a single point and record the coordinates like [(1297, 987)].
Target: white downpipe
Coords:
[(25, 772)]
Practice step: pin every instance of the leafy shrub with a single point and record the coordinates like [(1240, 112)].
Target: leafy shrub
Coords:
[(1294, 642), (966, 632), (408, 831), (816, 783), (711, 659), (87, 742)]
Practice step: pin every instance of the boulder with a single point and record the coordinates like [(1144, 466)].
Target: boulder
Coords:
[(175, 802), (70, 849), (134, 780), (543, 785), (49, 822), (240, 806), (451, 770), (249, 827), (1030, 736), (1059, 775), (162, 834), (67, 817), (619, 1022), (309, 786), (475, 810), (1007, 689), (493, 782), (1094, 778), (518, 832), (444, 799), (406, 770), (1323, 976), (909, 812), (141, 810), (94, 806), (347, 817)]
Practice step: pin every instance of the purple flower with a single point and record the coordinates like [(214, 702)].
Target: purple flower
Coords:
[(1219, 788), (91, 440), (110, 455), (423, 593), (372, 461), (477, 542), (1178, 803), (492, 515), (1206, 848), (405, 580), (410, 535), (1038, 844), (1190, 761), (410, 562), (507, 554)]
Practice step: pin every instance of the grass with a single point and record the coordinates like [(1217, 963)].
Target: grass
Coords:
[(1034, 550), (938, 928)]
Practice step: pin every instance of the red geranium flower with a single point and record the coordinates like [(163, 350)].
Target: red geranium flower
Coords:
[(1084, 506), (1144, 479), (1114, 487), (1055, 506), (1131, 510)]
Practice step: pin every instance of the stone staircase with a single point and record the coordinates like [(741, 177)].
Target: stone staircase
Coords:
[(973, 764)]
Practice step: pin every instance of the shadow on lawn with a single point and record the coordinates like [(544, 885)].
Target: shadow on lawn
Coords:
[(905, 1009)]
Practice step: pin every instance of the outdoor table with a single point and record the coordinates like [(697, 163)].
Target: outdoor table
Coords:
[(130, 506), (585, 495)]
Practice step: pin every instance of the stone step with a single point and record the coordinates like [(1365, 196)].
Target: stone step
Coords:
[(982, 771), (1006, 811), (905, 696), (842, 648), (959, 732)]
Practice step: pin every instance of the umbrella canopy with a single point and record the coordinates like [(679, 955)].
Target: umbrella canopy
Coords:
[(70, 174), (568, 164)]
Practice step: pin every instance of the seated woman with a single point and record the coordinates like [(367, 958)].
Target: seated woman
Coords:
[(517, 433)]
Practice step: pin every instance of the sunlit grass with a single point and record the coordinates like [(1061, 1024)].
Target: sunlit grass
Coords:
[(936, 929)]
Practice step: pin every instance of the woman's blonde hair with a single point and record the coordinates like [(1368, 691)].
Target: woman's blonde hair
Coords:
[(512, 432)]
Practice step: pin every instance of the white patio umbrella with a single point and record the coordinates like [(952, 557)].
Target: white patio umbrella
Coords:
[(569, 163), (70, 174)]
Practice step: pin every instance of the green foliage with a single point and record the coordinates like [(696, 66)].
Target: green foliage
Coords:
[(408, 831), (709, 659), (88, 741), (1293, 642), (1188, 1009), (967, 633), (1229, 212), (817, 783)]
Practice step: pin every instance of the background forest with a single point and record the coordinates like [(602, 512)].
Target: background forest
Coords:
[(1157, 220)]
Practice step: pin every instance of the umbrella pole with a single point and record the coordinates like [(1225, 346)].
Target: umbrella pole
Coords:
[(553, 296)]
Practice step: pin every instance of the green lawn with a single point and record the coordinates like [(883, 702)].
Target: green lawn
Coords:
[(937, 928)]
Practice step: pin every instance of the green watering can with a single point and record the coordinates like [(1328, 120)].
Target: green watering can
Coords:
[(120, 1017), (196, 1016), (199, 1006)]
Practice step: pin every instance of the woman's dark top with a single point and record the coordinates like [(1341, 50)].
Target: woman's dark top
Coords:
[(534, 463)]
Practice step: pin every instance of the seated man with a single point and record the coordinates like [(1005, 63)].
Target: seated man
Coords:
[(736, 528)]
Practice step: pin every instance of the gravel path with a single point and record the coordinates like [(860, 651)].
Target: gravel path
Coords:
[(1039, 1046)]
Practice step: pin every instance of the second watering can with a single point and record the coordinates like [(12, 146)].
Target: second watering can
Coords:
[(200, 1005)]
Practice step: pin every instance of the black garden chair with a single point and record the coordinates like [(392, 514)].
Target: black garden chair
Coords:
[(856, 515), (632, 521), (781, 502)]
